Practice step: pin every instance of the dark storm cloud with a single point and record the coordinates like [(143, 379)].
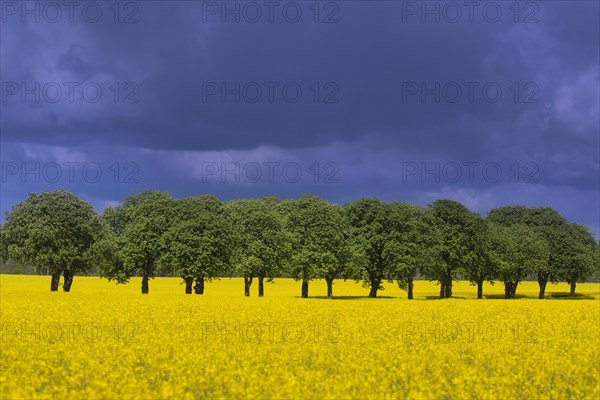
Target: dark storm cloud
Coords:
[(366, 62), (170, 53)]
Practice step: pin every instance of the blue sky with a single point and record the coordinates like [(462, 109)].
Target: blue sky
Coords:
[(489, 104)]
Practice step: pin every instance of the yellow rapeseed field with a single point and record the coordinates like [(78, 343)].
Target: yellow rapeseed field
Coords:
[(108, 341)]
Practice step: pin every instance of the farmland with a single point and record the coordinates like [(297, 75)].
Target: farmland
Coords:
[(106, 341)]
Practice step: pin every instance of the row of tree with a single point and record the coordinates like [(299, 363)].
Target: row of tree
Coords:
[(201, 238)]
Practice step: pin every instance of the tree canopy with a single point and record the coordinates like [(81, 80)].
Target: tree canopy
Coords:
[(460, 231), (263, 245), (201, 238), (318, 239), (138, 224), (516, 251), (53, 232), (198, 243)]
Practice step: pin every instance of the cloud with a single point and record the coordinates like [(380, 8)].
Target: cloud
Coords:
[(381, 92)]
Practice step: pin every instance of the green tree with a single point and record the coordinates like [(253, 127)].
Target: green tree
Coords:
[(198, 243), (515, 251), (414, 242), (369, 235), (546, 222), (317, 234), (107, 253), (3, 244), (478, 267), (380, 234), (54, 232), (596, 270), (337, 261), (138, 224), (578, 258), (458, 231), (263, 247)]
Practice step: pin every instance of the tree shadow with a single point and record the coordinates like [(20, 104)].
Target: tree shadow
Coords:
[(439, 298), (501, 297), (567, 296), (549, 296), (347, 297)]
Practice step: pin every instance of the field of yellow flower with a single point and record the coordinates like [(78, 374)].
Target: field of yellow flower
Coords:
[(108, 341)]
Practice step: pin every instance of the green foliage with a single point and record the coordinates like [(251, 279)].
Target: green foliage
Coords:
[(199, 241), (317, 233), (404, 251), (461, 248), (263, 244), (548, 223), (137, 225), (370, 234), (51, 232), (577, 255), (369, 240), (508, 215), (516, 251), (3, 244), (478, 267), (387, 240)]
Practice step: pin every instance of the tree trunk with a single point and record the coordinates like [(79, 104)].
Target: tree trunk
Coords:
[(374, 288), (68, 275), (480, 289), (442, 289), (54, 282), (145, 288), (261, 285), (410, 289), (247, 284), (189, 282), (304, 288), (510, 289), (542, 281), (573, 286), (449, 288), (329, 287), (199, 287), (507, 289)]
